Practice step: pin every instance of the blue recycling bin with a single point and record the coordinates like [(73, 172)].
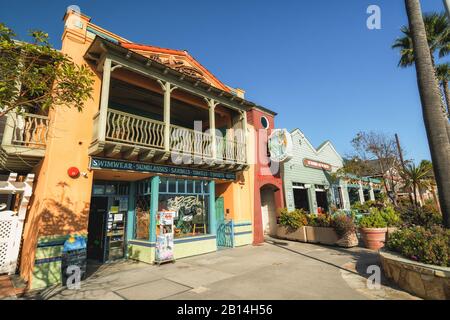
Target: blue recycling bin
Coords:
[(74, 254)]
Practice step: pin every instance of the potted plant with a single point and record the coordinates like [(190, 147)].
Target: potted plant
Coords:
[(345, 229), (292, 225), (373, 228), (392, 219)]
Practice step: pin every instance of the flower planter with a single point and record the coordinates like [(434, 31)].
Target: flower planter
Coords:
[(349, 240), (374, 238), (424, 280), (321, 235), (297, 235)]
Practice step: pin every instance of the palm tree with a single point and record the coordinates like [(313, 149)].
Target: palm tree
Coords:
[(417, 178), (443, 76), (435, 123), (438, 37)]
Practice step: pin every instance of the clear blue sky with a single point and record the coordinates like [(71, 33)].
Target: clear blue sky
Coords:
[(314, 62)]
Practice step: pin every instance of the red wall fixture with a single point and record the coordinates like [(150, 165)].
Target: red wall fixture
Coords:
[(73, 172)]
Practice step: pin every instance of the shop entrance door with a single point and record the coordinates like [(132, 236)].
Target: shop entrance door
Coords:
[(220, 211), (97, 228), (322, 201), (301, 199), (225, 228), (268, 211)]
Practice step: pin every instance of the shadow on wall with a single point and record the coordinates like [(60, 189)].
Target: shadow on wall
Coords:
[(58, 217)]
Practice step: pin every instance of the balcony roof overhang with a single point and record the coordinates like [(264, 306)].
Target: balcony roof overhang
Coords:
[(100, 49)]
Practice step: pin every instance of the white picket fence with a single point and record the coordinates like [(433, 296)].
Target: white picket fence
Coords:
[(11, 222)]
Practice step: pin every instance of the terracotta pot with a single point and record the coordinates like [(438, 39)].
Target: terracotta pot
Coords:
[(374, 238)]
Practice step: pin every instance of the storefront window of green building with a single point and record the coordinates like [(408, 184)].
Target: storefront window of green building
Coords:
[(353, 194), (366, 195), (189, 200)]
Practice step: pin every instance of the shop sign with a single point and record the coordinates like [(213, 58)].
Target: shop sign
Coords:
[(280, 145), (164, 241), (99, 163), (317, 164)]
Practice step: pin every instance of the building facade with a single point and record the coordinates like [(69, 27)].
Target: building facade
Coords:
[(160, 134), (310, 182)]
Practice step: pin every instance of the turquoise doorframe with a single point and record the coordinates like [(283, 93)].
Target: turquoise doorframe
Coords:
[(130, 215), (153, 206), (212, 208)]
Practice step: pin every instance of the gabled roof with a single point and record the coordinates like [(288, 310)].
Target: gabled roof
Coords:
[(179, 60), (321, 147)]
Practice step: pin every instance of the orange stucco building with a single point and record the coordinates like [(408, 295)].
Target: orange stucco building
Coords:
[(161, 133)]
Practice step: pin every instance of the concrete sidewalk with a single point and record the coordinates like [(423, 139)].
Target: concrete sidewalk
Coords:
[(275, 270)]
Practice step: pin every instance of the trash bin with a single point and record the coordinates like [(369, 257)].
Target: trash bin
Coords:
[(74, 254)]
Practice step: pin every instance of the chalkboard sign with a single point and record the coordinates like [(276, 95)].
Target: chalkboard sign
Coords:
[(74, 254)]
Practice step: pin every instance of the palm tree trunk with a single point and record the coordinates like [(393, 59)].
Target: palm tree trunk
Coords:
[(446, 95), (421, 197), (447, 104), (435, 124), (415, 194)]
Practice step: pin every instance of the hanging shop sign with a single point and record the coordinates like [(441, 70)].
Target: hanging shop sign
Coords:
[(280, 145), (317, 164), (99, 163), (164, 241)]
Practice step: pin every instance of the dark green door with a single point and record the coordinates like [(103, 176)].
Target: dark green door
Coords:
[(225, 229), (220, 211)]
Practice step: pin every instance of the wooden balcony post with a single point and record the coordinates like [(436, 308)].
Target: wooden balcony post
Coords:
[(103, 112), (244, 134), (167, 89), (212, 126)]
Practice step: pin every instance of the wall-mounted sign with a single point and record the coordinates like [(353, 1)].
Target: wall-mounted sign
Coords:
[(100, 163), (317, 164), (280, 145)]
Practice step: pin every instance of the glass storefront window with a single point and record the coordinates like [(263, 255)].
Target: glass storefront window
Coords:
[(353, 194), (163, 185), (172, 186), (190, 204), (142, 218), (181, 186), (189, 199)]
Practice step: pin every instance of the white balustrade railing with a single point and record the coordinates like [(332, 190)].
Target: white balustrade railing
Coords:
[(132, 129), (30, 130), (190, 141), (136, 130), (231, 150)]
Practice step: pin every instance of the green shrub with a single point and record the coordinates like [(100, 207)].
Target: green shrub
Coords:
[(293, 219), (417, 216), (374, 219), (391, 216), (343, 224), (319, 220), (367, 205), (431, 246)]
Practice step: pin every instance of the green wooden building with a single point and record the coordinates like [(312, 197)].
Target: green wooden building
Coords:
[(309, 183)]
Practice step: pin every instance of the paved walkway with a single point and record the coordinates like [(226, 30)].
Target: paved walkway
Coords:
[(7, 290), (276, 270)]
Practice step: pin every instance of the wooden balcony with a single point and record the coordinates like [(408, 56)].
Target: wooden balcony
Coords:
[(132, 137), (23, 141)]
